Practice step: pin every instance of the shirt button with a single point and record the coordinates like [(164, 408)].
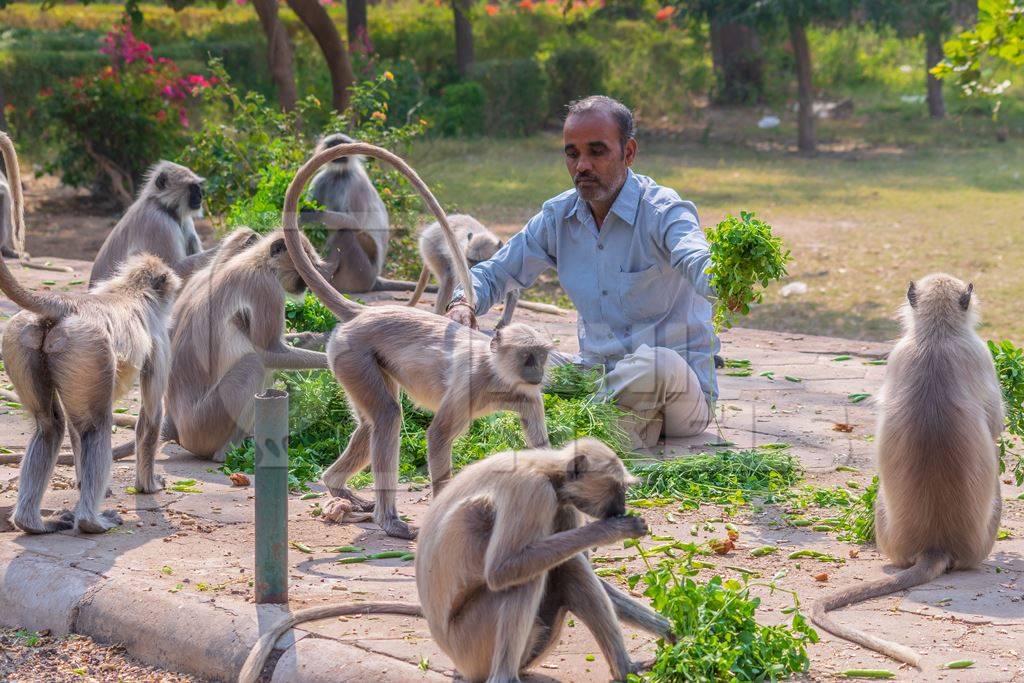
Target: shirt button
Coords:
[(604, 292), (600, 246)]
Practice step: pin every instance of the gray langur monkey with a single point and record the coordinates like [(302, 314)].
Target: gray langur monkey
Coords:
[(9, 240), (941, 412), (479, 244), (159, 222), (502, 559), (227, 338), (70, 357), (458, 373)]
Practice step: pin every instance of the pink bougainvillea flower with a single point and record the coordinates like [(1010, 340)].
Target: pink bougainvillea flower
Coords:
[(492, 10), (161, 115), (183, 117), (665, 13)]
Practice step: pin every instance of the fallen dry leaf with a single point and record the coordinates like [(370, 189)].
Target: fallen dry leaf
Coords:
[(843, 427), (854, 552), (721, 546), (732, 534), (821, 577), (340, 510), (238, 479)]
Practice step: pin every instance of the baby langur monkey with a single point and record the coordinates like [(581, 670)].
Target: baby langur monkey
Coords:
[(458, 373), (159, 222), (70, 357), (940, 413), (479, 244), (502, 559)]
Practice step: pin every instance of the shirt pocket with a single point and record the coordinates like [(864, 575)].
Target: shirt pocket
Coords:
[(643, 294)]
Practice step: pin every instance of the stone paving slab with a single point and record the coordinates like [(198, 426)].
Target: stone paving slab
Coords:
[(174, 582)]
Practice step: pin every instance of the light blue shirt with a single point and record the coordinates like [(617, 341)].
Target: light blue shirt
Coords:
[(640, 279)]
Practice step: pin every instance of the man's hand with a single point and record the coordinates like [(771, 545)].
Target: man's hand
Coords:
[(462, 313)]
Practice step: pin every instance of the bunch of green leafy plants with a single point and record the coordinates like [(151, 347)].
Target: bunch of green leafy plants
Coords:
[(321, 423), (1009, 361), (726, 477), (839, 510), (744, 255), (573, 381), (308, 316), (718, 637)]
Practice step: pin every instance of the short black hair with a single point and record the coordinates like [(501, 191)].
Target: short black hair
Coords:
[(603, 104)]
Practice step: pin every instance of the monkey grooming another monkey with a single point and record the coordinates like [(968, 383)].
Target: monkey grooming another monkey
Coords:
[(70, 357), (941, 411), (227, 338), (478, 243), (159, 222), (502, 559), (458, 373)]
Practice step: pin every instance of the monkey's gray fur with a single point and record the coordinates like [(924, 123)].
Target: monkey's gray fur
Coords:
[(941, 412), (478, 243), (70, 357), (8, 248), (502, 558), (457, 372), (228, 338), (159, 222)]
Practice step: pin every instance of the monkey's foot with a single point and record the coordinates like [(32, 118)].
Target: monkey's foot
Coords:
[(35, 524), (102, 523), (640, 667), (154, 483), (395, 527), (359, 503)]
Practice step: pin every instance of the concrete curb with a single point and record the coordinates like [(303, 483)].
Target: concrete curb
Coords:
[(206, 637)]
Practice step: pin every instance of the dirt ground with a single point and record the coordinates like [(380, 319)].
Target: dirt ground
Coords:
[(40, 656)]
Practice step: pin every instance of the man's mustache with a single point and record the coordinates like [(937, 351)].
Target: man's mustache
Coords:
[(584, 176)]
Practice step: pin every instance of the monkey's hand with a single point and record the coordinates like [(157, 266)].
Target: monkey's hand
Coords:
[(463, 314), (626, 526)]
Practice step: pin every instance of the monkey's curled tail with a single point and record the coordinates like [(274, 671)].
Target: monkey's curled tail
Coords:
[(929, 566), (343, 308), (263, 647), (53, 306), (421, 285)]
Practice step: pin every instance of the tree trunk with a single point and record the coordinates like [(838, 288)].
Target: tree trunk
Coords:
[(464, 56), (737, 61), (315, 17), (355, 11), (279, 53), (934, 55), (805, 95)]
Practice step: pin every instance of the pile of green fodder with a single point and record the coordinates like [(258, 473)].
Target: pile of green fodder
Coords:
[(321, 423)]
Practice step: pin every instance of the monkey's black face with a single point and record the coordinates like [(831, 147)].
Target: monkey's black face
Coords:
[(531, 365), (195, 196), (616, 506)]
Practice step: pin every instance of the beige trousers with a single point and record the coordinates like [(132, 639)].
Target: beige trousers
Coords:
[(662, 394)]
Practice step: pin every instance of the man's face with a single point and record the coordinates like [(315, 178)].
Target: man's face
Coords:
[(595, 156)]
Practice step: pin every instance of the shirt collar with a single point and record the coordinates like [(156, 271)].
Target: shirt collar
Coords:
[(625, 205)]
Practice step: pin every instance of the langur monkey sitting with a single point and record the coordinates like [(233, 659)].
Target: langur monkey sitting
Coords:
[(228, 338), (8, 239), (502, 559), (479, 244), (70, 357), (458, 373), (941, 412), (159, 222)]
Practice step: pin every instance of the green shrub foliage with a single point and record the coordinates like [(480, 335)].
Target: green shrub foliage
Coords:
[(517, 95)]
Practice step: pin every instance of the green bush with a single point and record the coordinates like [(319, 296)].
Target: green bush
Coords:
[(1009, 362), (461, 110), (574, 71), (516, 92)]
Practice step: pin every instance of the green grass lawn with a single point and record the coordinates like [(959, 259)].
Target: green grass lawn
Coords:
[(860, 224)]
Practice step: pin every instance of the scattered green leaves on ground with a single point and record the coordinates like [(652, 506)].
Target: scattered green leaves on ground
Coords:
[(726, 477)]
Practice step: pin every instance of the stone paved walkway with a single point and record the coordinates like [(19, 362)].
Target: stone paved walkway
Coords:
[(193, 552)]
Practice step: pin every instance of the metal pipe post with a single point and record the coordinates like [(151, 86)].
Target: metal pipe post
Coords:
[(271, 436)]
